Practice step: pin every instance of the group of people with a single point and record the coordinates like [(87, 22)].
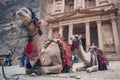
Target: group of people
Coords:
[(10, 56)]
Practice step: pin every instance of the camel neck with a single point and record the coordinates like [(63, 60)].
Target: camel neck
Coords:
[(84, 55), (36, 43)]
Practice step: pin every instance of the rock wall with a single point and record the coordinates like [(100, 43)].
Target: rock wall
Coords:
[(9, 24)]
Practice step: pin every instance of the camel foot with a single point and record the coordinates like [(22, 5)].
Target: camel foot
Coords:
[(28, 71), (81, 69), (92, 69), (37, 72), (40, 71), (89, 71)]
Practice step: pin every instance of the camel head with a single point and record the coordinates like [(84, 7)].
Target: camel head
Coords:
[(76, 42), (92, 49), (75, 38), (24, 14), (29, 22)]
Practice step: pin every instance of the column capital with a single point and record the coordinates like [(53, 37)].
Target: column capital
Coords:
[(70, 24), (60, 25), (50, 27), (98, 21), (113, 19), (87, 22)]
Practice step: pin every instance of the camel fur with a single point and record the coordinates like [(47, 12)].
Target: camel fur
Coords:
[(85, 56), (50, 58)]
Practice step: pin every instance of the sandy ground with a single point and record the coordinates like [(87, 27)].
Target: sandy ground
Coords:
[(18, 73)]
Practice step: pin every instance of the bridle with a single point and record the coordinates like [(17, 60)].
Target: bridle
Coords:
[(36, 25), (27, 24)]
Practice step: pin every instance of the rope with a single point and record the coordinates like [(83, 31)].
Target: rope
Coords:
[(3, 72)]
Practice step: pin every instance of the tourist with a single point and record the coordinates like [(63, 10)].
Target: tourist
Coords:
[(9, 58), (23, 60)]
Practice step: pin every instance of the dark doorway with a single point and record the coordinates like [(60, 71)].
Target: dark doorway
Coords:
[(79, 29), (93, 33), (65, 32), (84, 43)]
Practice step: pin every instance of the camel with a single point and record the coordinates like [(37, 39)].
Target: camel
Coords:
[(40, 60), (90, 58)]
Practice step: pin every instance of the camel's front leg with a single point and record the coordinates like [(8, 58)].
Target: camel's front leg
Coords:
[(92, 69), (50, 69), (83, 67)]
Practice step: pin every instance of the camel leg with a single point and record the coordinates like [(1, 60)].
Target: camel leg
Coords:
[(53, 69), (83, 68), (92, 69), (28, 71)]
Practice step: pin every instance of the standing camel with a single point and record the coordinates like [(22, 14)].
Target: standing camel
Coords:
[(91, 59), (40, 60)]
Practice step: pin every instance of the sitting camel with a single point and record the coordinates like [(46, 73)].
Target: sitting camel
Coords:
[(93, 59), (40, 60)]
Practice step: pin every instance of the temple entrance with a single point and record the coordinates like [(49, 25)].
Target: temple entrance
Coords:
[(79, 29), (93, 33)]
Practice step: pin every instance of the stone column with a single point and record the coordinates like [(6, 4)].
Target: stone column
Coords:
[(61, 30), (83, 4), (87, 29), (50, 33), (115, 35), (97, 2), (63, 5), (99, 29), (75, 4), (53, 7), (70, 32)]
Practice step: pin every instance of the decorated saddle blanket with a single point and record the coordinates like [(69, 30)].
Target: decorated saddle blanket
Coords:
[(102, 60), (65, 49)]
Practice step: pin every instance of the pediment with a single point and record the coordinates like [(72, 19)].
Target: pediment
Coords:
[(82, 14), (74, 16), (79, 13)]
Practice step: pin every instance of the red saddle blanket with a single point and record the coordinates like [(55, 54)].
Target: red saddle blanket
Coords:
[(101, 57), (66, 55)]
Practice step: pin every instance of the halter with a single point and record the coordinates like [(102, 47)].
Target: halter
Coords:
[(26, 25), (75, 45)]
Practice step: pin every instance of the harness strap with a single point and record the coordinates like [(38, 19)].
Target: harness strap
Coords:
[(91, 59), (26, 25)]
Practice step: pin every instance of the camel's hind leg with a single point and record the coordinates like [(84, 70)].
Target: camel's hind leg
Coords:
[(51, 69)]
